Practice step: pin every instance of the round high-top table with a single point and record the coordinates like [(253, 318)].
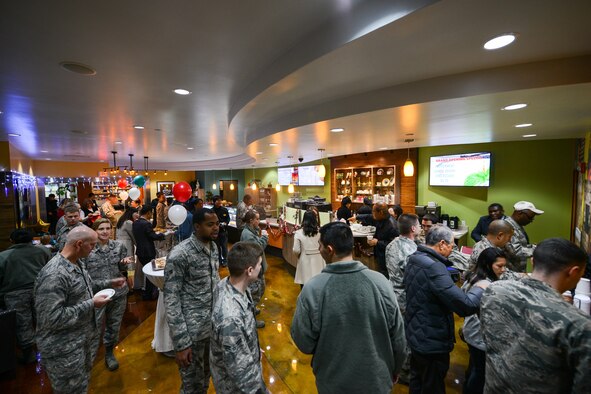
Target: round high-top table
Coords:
[(162, 341)]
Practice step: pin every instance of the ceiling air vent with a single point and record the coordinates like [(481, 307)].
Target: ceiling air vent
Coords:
[(78, 68)]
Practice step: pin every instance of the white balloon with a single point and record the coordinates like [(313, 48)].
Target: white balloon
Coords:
[(123, 196), (177, 214), (134, 193)]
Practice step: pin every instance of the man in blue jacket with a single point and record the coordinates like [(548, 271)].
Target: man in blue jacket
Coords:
[(432, 297)]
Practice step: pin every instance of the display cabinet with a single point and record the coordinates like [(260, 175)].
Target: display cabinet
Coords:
[(264, 197), (377, 183)]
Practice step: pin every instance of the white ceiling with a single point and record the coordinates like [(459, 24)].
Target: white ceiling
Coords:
[(286, 72)]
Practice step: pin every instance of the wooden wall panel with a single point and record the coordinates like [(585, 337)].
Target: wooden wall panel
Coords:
[(408, 185)]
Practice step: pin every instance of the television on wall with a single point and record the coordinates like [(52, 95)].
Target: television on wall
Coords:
[(466, 169), (304, 176)]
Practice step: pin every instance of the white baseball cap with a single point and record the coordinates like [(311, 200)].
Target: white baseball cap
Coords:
[(523, 205)]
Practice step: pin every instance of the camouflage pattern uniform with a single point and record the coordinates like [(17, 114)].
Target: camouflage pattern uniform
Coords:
[(66, 324), (235, 353), (190, 280), (19, 266), (518, 248), (536, 342), (62, 234), (105, 263), (479, 246), (241, 210), (257, 288)]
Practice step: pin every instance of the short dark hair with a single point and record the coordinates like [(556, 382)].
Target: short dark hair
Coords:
[(406, 221), (51, 195), (90, 195), (243, 255), (21, 236), (398, 210), (199, 216), (246, 197), (339, 236), (249, 215), (555, 254), (431, 218), (197, 201), (495, 205), (345, 201), (159, 194), (483, 267), (145, 209), (71, 208), (215, 198)]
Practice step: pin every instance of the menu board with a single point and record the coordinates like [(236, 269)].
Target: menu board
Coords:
[(469, 169), (305, 176), (284, 176)]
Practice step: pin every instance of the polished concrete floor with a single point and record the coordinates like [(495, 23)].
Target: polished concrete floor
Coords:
[(286, 370)]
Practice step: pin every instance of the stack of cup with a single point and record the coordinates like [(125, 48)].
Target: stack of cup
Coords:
[(582, 299)]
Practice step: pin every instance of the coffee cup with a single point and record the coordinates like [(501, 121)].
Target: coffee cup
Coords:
[(583, 287), (369, 237), (582, 302)]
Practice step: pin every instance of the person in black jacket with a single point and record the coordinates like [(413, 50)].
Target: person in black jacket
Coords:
[(145, 236), (385, 232), (344, 212), (365, 209), (495, 212), (222, 239), (431, 299)]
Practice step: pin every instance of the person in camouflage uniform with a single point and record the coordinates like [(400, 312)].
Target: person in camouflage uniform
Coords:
[(519, 248), (499, 233), (190, 279), (106, 261), (253, 233), (234, 353), (19, 266), (65, 304), (72, 218), (535, 341), (397, 253)]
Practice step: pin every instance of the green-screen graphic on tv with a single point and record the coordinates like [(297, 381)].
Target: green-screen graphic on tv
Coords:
[(467, 169)]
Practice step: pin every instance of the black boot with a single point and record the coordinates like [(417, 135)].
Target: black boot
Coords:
[(110, 360)]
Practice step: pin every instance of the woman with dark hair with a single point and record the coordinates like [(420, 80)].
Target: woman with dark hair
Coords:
[(252, 233), (344, 212), (489, 267), (125, 236), (305, 246)]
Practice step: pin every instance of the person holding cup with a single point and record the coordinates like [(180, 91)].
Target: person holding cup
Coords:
[(253, 233)]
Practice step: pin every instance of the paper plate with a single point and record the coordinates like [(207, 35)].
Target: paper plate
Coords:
[(108, 292)]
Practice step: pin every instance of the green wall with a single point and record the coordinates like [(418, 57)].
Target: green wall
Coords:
[(536, 171)]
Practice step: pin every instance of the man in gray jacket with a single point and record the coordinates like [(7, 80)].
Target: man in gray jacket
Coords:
[(348, 318)]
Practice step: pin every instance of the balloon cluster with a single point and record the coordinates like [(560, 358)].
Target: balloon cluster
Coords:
[(181, 191)]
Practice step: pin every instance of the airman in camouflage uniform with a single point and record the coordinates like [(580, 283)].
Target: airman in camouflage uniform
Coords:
[(190, 279), (66, 323), (235, 354), (106, 262), (499, 234), (536, 342), (62, 235), (519, 248)]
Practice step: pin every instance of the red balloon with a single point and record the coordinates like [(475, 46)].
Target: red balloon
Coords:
[(182, 191), (122, 183)]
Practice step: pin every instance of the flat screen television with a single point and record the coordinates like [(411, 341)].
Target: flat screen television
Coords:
[(306, 176), (466, 169)]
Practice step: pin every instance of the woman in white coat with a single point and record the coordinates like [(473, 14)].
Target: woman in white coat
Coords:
[(305, 246)]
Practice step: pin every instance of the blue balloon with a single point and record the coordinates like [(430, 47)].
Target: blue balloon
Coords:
[(139, 181)]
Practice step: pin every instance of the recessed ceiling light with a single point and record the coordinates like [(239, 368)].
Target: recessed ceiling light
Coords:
[(513, 107), (500, 41), (182, 92), (79, 132), (157, 129), (529, 135), (524, 125), (78, 68), (47, 158), (337, 130), (190, 148), (44, 151), (259, 153), (138, 127), (384, 148), (273, 144), (118, 142), (13, 135)]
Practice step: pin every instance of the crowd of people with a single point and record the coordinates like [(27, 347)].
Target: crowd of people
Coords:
[(367, 330)]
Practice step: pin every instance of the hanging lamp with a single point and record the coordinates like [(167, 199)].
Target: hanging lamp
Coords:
[(409, 168), (277, 186), (253, 185), (321, 167), (231, 182), (214, 186)]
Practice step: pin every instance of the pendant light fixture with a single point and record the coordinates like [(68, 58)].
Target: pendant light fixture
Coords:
[(277, 186), (409, 168), (231, 181), (321, 167), (253, 185), (291, 188), (214, 186)]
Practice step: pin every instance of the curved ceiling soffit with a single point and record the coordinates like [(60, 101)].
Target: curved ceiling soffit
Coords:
[(362, 20), (556, 72), (239, 161)]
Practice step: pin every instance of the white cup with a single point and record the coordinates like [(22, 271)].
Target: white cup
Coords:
[(583, 287), (369, 237), (583, 302)]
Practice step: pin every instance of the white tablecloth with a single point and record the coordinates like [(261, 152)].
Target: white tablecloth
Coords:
[(162, 339)]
